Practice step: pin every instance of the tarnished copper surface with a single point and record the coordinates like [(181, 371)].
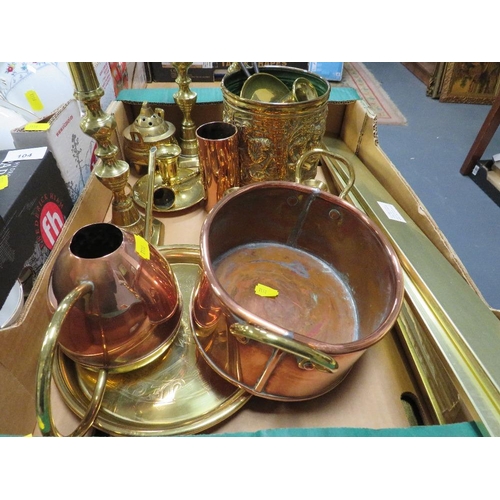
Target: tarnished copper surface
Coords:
[(302, 282), (134, 311), (339, 281)]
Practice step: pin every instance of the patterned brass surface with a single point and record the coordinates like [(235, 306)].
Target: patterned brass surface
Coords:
[(274, 135), (177, 394)]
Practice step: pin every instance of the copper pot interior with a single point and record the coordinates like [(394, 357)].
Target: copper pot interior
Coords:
[(337, 279)]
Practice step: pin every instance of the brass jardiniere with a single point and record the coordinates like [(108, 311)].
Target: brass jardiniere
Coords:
[(274, 135)]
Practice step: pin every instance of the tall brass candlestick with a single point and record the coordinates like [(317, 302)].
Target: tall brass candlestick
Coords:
[(111, 172), (185, 98)]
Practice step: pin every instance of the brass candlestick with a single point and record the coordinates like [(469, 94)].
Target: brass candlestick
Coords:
[(111, 172), (185, 98)]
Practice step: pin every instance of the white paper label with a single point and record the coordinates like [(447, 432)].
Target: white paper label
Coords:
[(496, 157), (391, 211), (25, 154)]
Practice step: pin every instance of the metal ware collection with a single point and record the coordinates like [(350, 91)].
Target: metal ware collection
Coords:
[(289, 286)]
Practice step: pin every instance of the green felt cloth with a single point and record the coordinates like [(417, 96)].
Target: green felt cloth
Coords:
[(466, 429), (210, 95)]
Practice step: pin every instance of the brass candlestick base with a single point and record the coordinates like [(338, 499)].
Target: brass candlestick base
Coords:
[(185, 98), (174, 195), (111, 172)]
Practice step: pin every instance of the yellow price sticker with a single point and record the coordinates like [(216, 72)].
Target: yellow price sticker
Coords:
[(4, 181), (142, 247), (33, 100), (265, 291), (35, 127)]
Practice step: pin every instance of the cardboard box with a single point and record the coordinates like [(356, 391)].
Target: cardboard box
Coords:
[(127, 75), (72, 149), (116, 76), (354, 127), (34, 204), (204, 71)]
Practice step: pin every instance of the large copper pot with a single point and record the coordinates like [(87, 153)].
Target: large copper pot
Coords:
[(297, 284)]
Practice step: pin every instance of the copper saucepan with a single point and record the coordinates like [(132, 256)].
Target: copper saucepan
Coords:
[(297, 284)]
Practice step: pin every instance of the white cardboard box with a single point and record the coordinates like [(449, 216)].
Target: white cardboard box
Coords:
[(72, 149)]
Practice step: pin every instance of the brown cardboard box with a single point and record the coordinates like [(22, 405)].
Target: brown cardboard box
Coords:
[(370, 397)]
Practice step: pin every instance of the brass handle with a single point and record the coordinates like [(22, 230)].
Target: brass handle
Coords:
[(335, 156), (44, 371), (318, 359)]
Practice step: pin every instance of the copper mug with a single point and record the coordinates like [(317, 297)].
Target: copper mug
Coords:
[(116, 305), (218, 157)]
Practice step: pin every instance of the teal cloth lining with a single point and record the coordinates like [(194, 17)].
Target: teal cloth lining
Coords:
[(207, 95), (465, 429)]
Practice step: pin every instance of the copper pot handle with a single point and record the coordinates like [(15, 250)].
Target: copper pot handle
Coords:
[(312, 357), (335, 156), (44, 371)]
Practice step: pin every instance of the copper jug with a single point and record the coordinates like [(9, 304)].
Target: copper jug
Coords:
[(116, 305)]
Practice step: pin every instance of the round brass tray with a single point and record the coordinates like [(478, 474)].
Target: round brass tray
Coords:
[(176, 394), (188, 191)]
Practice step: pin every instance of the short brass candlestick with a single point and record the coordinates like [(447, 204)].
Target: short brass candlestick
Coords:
[(111, 172), (185, 98)]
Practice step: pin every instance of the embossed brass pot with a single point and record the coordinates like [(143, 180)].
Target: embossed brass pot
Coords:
[(274, 135), (297, 284), (117, 307)]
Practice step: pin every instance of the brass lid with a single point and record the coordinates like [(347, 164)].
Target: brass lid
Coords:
[(151, 125)]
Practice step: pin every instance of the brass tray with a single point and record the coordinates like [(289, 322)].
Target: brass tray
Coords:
[(177, 394), (188, 191)]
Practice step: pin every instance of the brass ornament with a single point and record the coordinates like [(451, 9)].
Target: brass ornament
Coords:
[(274, 135), (148, 129), (111, 172), (185, 98)]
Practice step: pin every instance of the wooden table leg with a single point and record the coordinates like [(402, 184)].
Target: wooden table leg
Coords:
[(483, 138)]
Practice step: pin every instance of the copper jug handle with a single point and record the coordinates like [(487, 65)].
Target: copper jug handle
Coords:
[(330, 154), (44, 371), (311, 357)]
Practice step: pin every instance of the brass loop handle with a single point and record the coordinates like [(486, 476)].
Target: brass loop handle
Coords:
[(44, 371), (335, 156), (318, 359)]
